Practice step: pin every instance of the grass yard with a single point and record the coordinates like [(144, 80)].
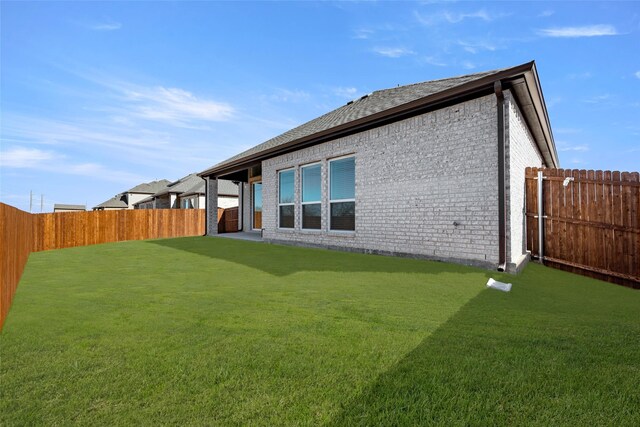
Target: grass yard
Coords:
[(204, 331)]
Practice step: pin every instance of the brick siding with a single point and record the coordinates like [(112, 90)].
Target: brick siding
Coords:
[(414, 179)]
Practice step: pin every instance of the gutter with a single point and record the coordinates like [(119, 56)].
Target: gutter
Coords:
[(502, 223)]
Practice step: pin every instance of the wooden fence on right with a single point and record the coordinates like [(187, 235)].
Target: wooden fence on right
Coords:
[(591, 222)]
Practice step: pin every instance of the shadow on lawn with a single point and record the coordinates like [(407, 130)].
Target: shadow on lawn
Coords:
[(538, 355), (281, 260)]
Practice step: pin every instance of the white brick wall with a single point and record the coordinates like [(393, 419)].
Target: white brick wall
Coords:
[(520, 152), (414, 179)]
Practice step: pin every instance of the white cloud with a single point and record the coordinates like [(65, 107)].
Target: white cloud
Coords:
[(468, 65), (598, 99), (345, 92), (454, 17), (567, 131), (433, 60), (563, 146), (288, 95), (106, 26), (579, 76), (584, 31), (21, 157), (637, 74), (393, 52), (552, 101), (53, 162), (477, 46), (546, 13), (362, 33), (175, 105), (165, 104)]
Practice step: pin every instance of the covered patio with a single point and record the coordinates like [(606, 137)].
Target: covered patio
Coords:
[(249, 216)]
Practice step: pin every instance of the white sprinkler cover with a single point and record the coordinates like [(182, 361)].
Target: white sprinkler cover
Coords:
[(494, 284)]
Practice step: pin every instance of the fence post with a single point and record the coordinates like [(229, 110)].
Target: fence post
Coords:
[(540, 219)]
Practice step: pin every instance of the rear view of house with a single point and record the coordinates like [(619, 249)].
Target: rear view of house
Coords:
[(433, 170)]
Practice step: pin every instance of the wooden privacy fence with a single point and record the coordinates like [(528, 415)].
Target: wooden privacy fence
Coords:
[(227, 220), (22, 233), (590, 222), (16, 242)]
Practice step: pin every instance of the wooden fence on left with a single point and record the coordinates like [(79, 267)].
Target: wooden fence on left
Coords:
[(22, 233)]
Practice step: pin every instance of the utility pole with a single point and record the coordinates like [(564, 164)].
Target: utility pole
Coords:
[(30, 200)]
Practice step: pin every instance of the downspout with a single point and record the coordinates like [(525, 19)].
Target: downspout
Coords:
[(502, 229), (240, 205), (206, 206)]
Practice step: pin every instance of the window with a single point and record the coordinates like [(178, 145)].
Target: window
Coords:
[(311, 193), (187, 204), (286, 207), (257, 205), (342, 194)]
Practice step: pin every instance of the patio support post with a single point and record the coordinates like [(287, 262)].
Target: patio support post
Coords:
[(212, 206)]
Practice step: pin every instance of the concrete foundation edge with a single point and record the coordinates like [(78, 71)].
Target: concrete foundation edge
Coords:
[(472, 263)]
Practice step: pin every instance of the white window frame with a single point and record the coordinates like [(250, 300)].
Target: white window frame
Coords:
[(302, 203), (287, 204), (340, 200)]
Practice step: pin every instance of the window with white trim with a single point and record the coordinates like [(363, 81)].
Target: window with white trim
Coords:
[(187, 204), (286, 198), (311, 196), (342, 194)]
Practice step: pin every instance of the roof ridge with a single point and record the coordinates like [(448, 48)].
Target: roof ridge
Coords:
[(462, 76)]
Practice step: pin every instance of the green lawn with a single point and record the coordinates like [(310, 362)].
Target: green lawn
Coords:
[(201, 331)]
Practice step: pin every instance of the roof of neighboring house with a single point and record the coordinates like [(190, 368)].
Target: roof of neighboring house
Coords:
[(69, 207), (396, 103), (145, 200), (196, 189), (181, 185), (225, 188), (150, 187), (114, 202)]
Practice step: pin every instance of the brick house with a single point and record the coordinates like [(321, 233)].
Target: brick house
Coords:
[(430, 170)]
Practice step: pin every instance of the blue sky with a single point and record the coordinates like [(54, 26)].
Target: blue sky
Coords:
[(97, 97)]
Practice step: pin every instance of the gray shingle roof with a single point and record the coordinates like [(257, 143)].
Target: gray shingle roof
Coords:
[(145, 200), (182, 185), (196, 189), (227, 188), (69, 207), (376, 102), (150, 187), (114, 202)]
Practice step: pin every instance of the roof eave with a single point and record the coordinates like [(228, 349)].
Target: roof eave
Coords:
[(526, 70)]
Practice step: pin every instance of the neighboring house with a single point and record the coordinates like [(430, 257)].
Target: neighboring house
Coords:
[(58, 207), (127, 199), (431, 170), (189, 193)]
